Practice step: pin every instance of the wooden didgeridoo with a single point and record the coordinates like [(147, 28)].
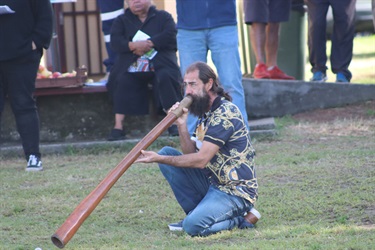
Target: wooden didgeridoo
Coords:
[(84, 209)]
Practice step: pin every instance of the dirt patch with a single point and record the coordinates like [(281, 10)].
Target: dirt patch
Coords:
[(355, 120), (361, 111)]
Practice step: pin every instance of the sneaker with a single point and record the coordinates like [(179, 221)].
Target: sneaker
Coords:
[(176, 226), (116, 135), (319, 76), (261, 72), (340, 77), (173, 130), (34, 164), (277, 73)]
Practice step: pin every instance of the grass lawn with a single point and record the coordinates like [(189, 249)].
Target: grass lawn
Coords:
[(316, 191)]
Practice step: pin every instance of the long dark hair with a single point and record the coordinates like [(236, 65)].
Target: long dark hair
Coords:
[(205, 73)]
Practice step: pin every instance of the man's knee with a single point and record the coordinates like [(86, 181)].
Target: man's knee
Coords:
[(22, 105), (165, 169), (191, 226), (167, 151)]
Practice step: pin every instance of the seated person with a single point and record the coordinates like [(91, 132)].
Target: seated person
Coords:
[(135, 68)]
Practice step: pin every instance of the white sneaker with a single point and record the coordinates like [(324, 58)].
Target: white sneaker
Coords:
[(34, 164), (176, 226)]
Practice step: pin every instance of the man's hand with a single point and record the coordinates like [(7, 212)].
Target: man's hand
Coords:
[(187, 145), (147, 157), (182, 119)]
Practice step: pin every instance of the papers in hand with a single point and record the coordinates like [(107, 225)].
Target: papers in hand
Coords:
[(4, 9), (141, 36)]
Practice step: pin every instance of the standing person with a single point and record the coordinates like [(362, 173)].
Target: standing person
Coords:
[(213, 179), (342, 38), (265, 17), (109, 10), (211, 25), (25, 29), (135, 68)]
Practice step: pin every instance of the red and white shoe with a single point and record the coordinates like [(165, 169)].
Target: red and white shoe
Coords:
[(261, 72), (276, 73)]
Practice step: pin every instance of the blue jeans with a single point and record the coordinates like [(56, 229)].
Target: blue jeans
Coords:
[(193, 46), (208, 209)]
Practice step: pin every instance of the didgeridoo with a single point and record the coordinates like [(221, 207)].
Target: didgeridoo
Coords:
[(84, 209)]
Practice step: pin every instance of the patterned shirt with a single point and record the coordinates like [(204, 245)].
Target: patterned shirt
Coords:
[(232, 168)]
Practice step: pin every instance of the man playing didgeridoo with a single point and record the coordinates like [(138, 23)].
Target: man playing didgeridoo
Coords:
[(213, 179)]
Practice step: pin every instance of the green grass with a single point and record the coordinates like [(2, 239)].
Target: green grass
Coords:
[(363, 61), (316, 191)]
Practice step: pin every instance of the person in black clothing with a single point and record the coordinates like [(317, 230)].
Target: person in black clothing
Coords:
[(136, 67), (25, 29)]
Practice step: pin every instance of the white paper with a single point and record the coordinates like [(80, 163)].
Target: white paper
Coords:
[(4, 9), (140, 36)]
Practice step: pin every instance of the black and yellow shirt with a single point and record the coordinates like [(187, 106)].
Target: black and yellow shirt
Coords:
[(232, 168)]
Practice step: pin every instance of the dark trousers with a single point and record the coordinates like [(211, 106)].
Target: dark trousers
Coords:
[(342, 36), (17, 82), (130, 95)]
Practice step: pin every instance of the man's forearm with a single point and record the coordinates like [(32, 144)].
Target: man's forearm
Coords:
[(184, 161), (139, 47), (187, 145)]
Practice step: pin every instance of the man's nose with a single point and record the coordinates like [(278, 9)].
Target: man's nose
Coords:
[(188, 89)]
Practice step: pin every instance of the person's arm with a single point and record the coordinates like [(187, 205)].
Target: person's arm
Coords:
[(187, 145), (166, 39), (43, 27), (193, 160), (140, 47), (120, 42)]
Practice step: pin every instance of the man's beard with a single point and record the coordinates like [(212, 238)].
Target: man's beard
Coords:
[(200, 104)]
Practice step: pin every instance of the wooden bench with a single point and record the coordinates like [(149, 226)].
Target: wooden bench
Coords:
[(66, 85)]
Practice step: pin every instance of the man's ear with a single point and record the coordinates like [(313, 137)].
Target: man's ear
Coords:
[(209, 84)]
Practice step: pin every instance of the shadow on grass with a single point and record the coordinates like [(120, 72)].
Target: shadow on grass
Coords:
[(364, 55)]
